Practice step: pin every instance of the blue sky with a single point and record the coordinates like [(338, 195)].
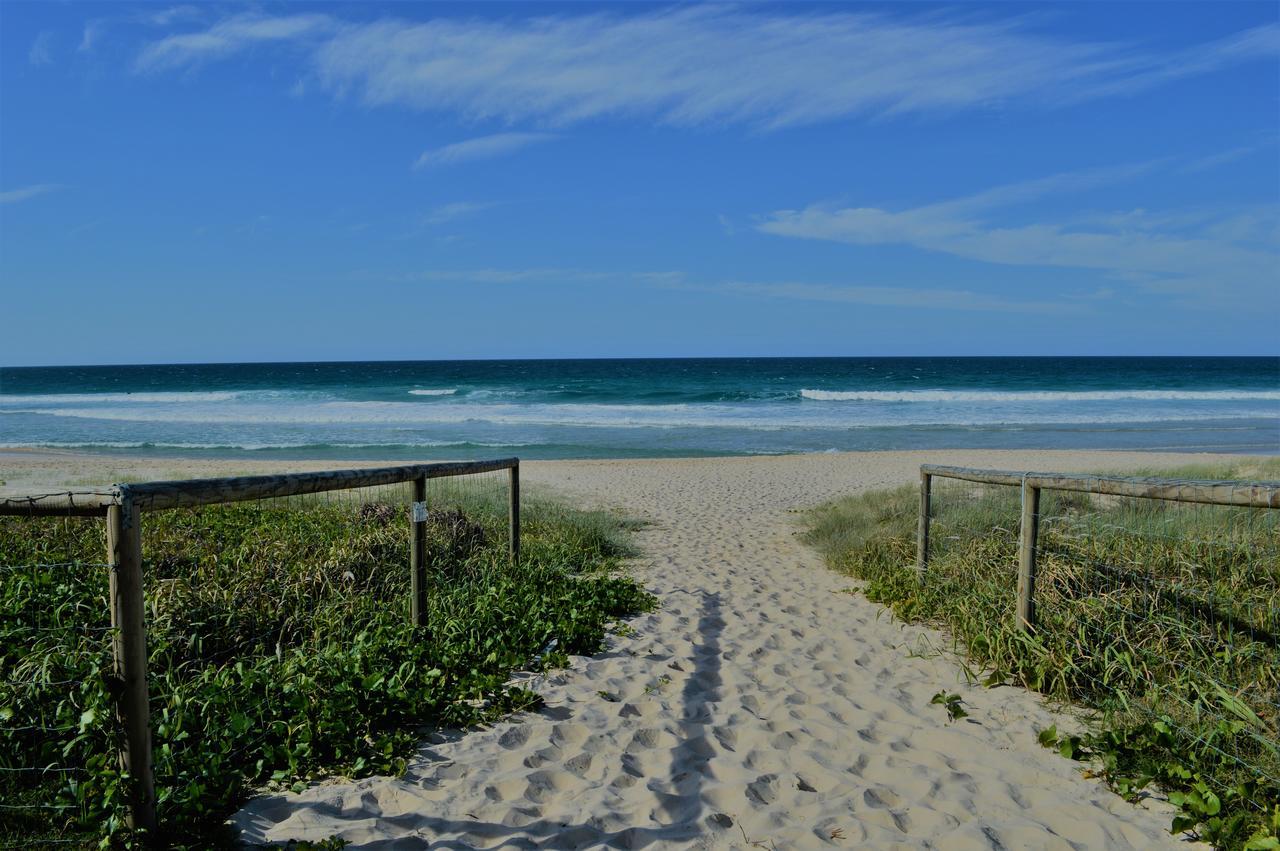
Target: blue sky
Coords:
[(353, 181)]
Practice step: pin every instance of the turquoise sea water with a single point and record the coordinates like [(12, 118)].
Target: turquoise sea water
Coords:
[(621, 408)]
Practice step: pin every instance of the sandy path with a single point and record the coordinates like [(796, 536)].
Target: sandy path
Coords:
[(759, 704)]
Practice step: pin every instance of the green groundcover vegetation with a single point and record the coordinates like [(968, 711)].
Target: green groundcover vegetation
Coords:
[(280, 649), (1159, 619)]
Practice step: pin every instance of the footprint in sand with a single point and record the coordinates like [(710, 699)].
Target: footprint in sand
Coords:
[(793, 715), (514, 738), (763, 791), (578, 765)]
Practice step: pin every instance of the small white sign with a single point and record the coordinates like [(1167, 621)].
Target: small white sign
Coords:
[(419, 512)]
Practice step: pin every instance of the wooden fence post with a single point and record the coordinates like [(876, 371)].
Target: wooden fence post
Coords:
[(1027, 532), (514, 513), (922, 532), (418, 553), (129, 647)]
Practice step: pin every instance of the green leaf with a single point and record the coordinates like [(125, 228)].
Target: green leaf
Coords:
[(1239, 708), (1212, 805), (1263, 843)]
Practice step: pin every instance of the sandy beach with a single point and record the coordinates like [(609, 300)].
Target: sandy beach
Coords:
[(705, 268), (761, 705)]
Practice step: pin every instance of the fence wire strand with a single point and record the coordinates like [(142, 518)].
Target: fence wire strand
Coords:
[(1197, 582), (1154, 610), (54, 636), (224, 585)]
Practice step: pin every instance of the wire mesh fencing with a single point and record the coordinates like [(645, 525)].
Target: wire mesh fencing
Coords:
[(55, 664), (1175, 609), (275, 632), (973, 544), (1162, 614)]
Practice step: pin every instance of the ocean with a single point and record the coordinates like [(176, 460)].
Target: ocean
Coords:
[(638, 408)]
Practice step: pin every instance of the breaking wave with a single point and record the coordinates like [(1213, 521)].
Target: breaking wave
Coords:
[(1039, 395)]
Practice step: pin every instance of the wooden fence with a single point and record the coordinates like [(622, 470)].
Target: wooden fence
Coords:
[(1230, 493), (122, 506)]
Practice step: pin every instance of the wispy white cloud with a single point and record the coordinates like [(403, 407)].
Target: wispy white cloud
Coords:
[(229, 36), (13, 196), (41, 52), (1217, 251), (480, 148), (1221, 158), (457, 210), (931, 298), (669, 279), (1025, 191), (1261, 42), (543, 274), (927, 298), (706, 64), (539, 275), (93, 31), (165, 17), (1256, 226)]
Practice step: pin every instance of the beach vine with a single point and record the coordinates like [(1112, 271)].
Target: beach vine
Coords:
[(280, 651), (1145, 665)]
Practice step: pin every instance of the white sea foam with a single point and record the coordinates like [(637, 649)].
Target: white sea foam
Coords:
[(442, 392), (94, 398), (759, 417), (306, 444), (1039, 395)]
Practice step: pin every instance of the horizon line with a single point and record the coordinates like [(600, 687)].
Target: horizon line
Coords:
[(1275, 356)]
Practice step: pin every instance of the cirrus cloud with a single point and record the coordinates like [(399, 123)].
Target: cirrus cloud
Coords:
[(1224, 254), (704, 65), (480, 148), (13, 196)]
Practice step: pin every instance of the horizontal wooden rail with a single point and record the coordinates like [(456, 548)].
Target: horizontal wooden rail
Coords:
[(1247, 494), (64, 504), (969, 474), (123, 506), (153, 496), (1231, 493)]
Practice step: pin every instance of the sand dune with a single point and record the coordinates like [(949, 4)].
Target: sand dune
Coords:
[(760, 706)]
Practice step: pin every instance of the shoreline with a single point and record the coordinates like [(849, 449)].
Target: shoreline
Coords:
[(23, 469), (678, 407), (1231, 437)]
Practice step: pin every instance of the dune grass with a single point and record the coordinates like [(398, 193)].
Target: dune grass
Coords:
[(280, 648), (1160, 619)]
